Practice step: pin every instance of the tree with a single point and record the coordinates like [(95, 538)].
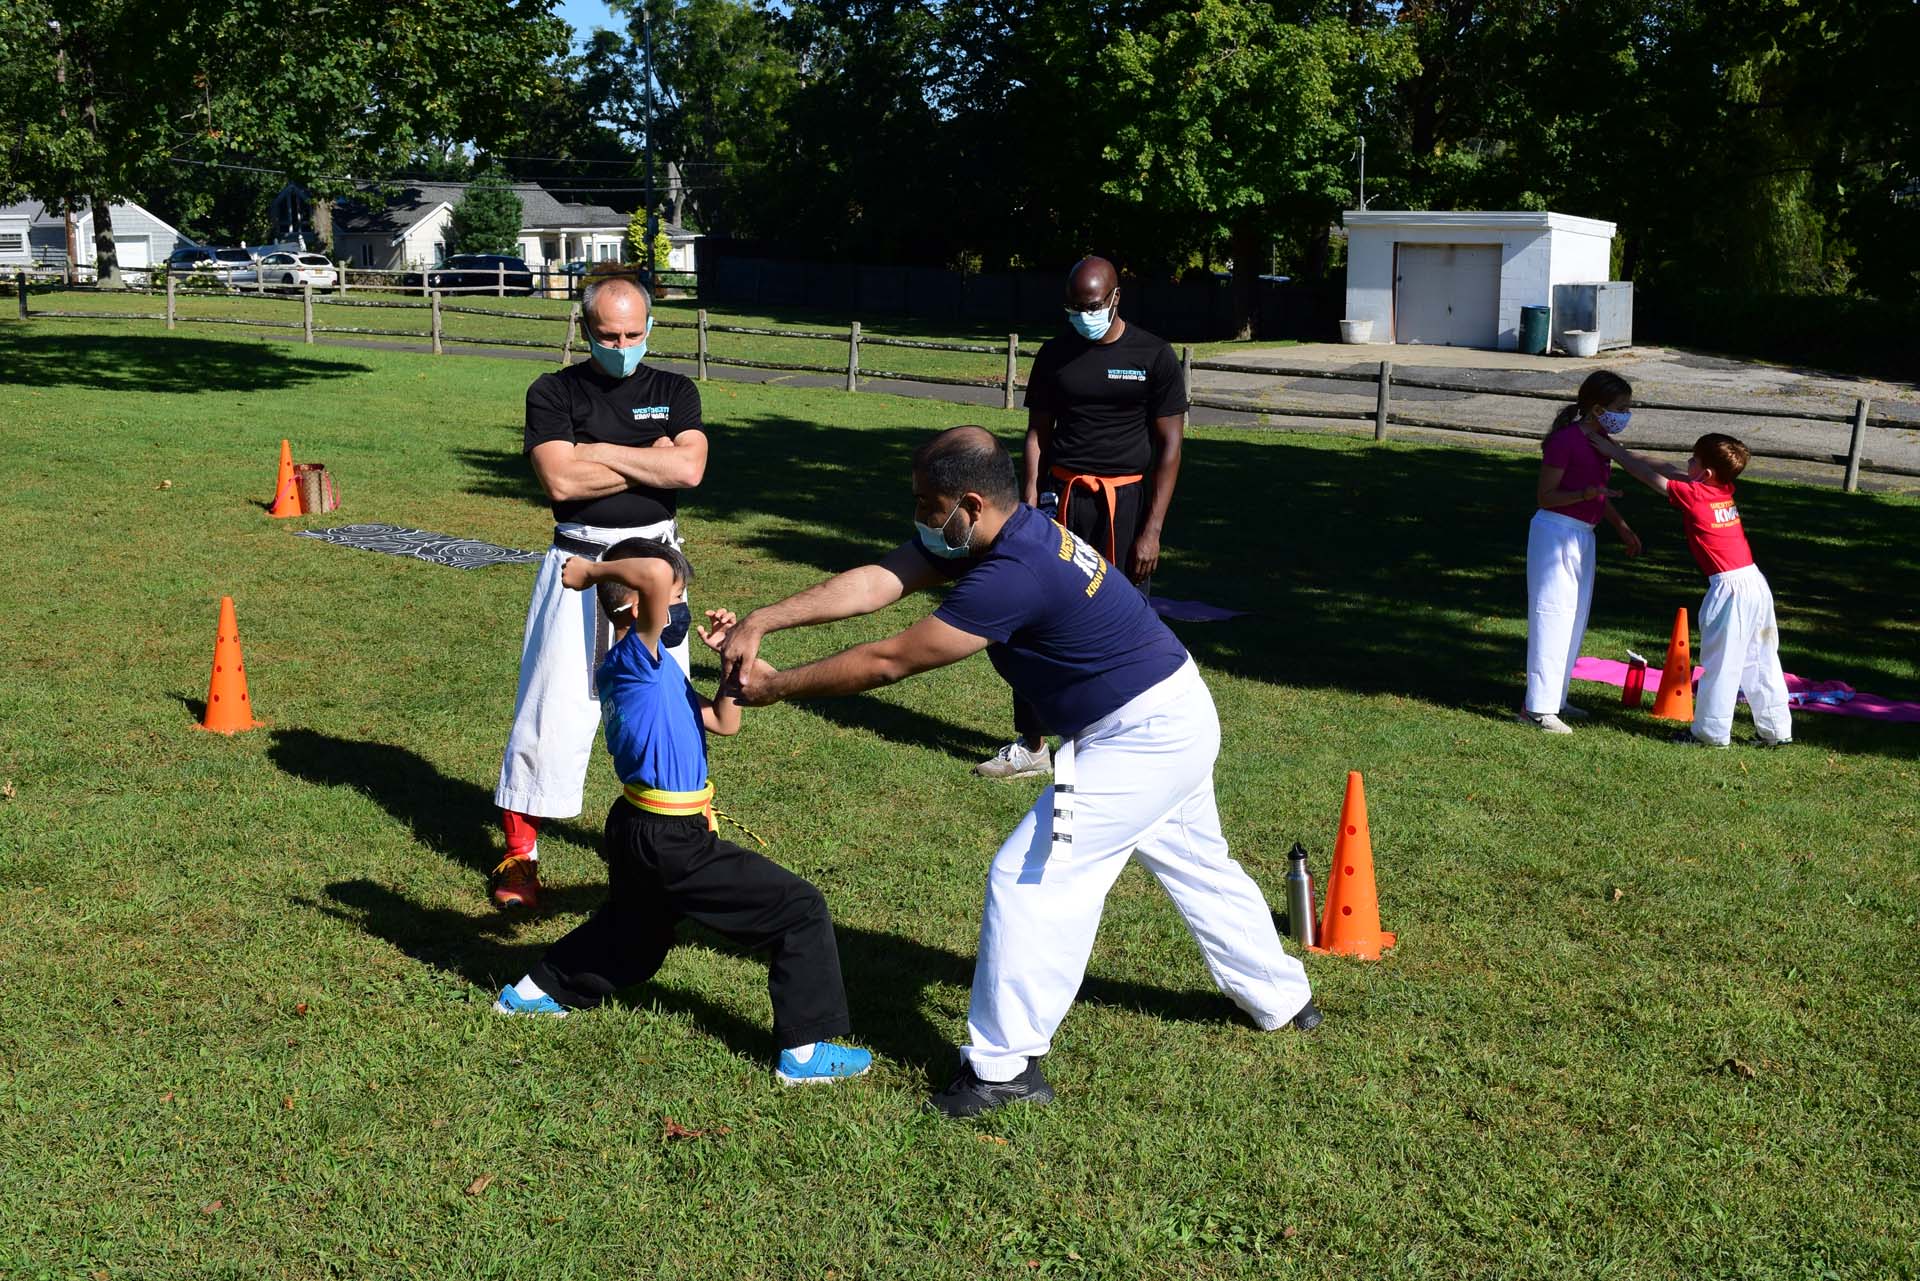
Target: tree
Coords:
[(1231, 124), (109, 107), (487, 219)]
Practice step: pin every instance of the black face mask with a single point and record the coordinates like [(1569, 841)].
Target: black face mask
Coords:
[(679, 619)]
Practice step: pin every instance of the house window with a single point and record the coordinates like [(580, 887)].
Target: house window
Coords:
[(12, 242), (439, 253), (366, 255), (606, 251)]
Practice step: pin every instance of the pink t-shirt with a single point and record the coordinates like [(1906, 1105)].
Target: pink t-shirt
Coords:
[(1714, 533), (1582, 467)]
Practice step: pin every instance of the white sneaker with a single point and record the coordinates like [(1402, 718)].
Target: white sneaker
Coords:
[(1015, 761), (1546, 721), (1572, 713)]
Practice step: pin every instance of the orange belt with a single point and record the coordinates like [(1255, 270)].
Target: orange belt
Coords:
[(1106, 485)]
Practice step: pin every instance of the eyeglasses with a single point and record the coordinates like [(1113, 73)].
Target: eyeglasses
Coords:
[(1075, 309)]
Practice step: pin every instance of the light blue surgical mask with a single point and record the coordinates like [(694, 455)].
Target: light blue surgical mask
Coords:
[(620, 361), (1612, 421), (1091, 325), (935, 540)]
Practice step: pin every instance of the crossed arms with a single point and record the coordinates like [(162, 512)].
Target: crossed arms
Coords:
[(571, 472)]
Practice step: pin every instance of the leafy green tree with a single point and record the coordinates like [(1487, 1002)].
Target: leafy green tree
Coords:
[(487, 218), (110, 106), (1231, 123)]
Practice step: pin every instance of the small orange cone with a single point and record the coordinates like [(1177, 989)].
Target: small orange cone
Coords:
[(1351, 923), (1674, 702), (286, 493), (228, 709)]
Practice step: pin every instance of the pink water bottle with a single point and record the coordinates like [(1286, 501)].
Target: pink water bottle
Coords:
[(1633, 691)]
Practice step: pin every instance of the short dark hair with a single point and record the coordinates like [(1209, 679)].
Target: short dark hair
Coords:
[(965, 460), (615, 597), (1724, 456)]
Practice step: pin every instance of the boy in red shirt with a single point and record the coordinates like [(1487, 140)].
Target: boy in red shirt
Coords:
[(1739, 638)]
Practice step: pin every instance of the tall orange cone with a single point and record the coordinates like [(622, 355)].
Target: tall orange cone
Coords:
[(1674, 702), (228, 709), (1351, 923), (286, 493)]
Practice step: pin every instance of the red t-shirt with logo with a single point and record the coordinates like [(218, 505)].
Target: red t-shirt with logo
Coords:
[(1714, 533)]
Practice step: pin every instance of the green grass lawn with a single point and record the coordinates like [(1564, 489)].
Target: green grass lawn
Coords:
[(1652, 1013)]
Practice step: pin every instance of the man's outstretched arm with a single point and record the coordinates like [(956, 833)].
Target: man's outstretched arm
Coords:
[(858, 591), (927, 644)]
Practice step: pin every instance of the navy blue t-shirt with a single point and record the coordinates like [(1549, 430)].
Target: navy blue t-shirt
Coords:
[(1068, 632), (653, 719)]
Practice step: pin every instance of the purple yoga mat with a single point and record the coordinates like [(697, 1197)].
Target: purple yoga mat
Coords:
[(1807, 695), (1192, 611)]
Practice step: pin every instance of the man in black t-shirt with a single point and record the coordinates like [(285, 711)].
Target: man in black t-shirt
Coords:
[(612, 442), (1104, 408)]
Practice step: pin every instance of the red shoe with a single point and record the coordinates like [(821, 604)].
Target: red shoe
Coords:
[(516, 883)]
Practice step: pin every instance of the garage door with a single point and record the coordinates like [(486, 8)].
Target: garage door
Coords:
[(133, 251), (1447, 295)]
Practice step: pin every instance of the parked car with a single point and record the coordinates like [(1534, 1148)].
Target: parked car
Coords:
[(478, 271), (204, 260), (287, 270)]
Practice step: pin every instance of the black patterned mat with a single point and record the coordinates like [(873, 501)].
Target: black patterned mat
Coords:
[(440, 549)]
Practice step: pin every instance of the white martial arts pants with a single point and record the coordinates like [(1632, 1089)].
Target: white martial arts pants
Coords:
[(1142, 785), (556, 714), (1560, 564), (1740, 652)]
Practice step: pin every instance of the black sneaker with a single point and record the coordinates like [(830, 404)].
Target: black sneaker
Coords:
[(1685, 738), (970, 1096), (1773, 742), (1309, 1017)]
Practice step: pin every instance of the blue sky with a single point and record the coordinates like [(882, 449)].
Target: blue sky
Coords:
[(585, 15)]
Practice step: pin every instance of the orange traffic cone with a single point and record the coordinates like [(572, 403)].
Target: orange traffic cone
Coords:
[(228, 709), (1351, 924), (286, 493), (1674, 702)]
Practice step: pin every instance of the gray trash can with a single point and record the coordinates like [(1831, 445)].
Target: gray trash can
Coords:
[(1533, 330)]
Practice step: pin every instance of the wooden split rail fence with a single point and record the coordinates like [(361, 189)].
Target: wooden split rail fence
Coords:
[(1382, 416)]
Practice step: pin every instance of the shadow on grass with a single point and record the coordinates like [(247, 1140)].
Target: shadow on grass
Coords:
[(887, 976), (1378, 570), (453, 817), (153, 363)]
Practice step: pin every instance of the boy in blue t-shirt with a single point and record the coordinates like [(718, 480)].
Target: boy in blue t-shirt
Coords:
[(664, 859)]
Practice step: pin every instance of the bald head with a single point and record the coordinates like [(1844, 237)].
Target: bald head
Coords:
[(966, 460), (1089, 283), (612, 297)]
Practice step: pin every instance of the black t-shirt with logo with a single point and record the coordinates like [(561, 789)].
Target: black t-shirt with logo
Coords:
[(583, 404), (1104, 398)]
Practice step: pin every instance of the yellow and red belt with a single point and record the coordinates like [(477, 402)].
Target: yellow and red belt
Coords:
[(1105, 486), (657, 800)]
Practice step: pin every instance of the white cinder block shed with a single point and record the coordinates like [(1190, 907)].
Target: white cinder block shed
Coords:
[(1460, 278)]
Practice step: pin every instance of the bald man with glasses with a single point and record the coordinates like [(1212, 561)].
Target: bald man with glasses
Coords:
[(1105, 410)]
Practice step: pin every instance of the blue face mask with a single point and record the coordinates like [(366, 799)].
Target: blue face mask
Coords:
[(935, 540), (620, 361), (1612, 421), (679, 620), (1091, 325)]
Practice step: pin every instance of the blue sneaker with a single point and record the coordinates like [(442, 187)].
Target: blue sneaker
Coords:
[(829, 1063), (511, 1002)]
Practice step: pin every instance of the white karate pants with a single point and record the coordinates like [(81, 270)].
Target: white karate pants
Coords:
[(556, 714), (1141, 785), (1740, 652), (1560, 565)]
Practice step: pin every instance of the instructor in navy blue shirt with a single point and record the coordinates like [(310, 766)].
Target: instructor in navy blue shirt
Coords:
[(1133, 778)]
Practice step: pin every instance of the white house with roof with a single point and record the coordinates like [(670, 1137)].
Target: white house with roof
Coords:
[(411, 230), (30, 235), (1460, 277)]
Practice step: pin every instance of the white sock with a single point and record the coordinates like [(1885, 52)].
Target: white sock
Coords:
[(528, 989), (804, 1053), (533, 854)]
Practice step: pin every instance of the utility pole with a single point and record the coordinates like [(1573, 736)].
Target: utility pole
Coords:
[(653, 215), (60, 78), (1363, 173)]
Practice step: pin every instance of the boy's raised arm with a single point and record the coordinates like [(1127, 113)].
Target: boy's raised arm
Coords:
[(1645, 470)]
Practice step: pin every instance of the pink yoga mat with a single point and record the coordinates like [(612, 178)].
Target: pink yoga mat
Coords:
[(1609, 672)]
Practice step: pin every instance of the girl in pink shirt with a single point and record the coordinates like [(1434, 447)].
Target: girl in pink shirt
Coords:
[(1573, 497)]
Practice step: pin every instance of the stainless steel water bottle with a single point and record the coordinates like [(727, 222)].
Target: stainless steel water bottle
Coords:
[(1302, 918)]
